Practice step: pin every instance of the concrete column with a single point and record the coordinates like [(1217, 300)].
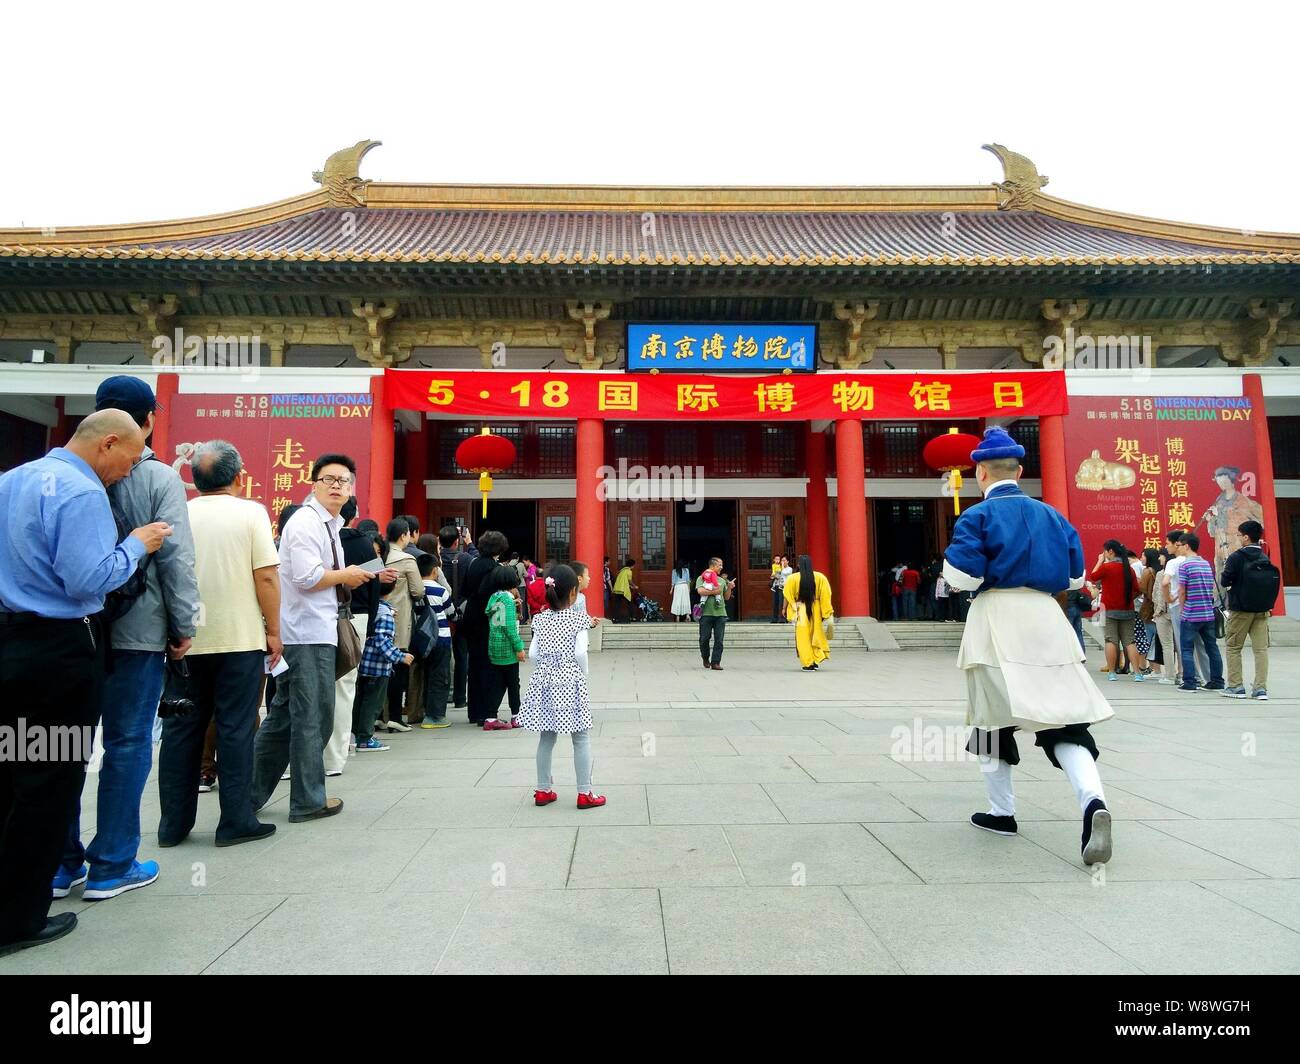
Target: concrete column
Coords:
[(819, 525), (589, 519), (166, 387), (1051, 452), (854, 592), (1252, 386), (380, 495)]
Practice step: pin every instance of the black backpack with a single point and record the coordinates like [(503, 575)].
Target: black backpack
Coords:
[(1257, 589), (120, 600)]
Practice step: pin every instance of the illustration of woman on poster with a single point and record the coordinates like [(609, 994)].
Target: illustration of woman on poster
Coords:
[(1229, 510)]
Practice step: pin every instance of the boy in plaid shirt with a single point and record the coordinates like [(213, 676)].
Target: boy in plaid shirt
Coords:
[(377, 660)]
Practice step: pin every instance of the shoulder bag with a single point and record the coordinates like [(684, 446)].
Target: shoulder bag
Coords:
[(347, 654)]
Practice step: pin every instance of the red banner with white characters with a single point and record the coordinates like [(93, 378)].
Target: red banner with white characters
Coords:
[(278, 437), (704, 397), (1142, 466)]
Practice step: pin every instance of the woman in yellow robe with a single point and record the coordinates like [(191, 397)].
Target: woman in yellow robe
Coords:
[(808, 612)]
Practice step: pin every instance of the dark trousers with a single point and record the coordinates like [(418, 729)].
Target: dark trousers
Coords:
[(460, 669), (367, 705), (227, 690), (397, 690), (479, 667), (712, 628), (778, 606), (51, 673), (437, 682), (501, 680)]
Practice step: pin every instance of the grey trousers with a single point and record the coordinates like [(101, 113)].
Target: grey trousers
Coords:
[(297, 728), (1202, 660)]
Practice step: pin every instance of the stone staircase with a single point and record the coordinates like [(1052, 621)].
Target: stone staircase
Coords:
[(741, 635), (926, 635)]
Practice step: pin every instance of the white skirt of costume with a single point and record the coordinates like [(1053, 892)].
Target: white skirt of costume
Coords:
[(681, 606), (1023, 665)]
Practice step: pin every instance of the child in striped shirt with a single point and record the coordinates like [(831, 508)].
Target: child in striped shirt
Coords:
[(437, 666)]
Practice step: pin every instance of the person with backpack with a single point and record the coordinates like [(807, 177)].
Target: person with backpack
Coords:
[(154, 620), (1253, 583)]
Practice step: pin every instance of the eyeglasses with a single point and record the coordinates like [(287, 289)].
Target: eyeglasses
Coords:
[(335, 482)]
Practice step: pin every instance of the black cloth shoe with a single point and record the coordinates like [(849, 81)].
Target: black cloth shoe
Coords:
[(999, 825), (55, 928), (262, 831), (1095, 846)]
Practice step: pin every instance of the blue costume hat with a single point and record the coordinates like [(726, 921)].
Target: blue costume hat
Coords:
[(996, 444)]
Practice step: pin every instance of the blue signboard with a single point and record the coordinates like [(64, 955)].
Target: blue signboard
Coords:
[(729, 347)]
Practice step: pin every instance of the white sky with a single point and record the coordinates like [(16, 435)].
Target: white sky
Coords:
[(138, 111)]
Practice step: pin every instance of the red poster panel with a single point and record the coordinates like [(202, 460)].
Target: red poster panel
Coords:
[(1145, 465), (278, 436), (705, 397)]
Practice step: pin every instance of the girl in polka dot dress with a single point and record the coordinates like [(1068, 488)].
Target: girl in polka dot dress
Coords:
[(556, 700)]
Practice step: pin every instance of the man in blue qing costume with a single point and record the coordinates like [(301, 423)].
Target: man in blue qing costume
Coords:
[(1024, 667)]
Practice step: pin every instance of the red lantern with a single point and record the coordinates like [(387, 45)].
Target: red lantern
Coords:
[(485, 454), (950, 453)]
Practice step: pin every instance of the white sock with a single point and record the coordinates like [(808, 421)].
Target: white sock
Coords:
[(1081, 767), (997, 779)]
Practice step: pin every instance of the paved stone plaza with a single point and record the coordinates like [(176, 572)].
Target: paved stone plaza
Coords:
[(725, 789)]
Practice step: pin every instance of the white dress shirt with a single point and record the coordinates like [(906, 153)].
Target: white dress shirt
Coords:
[(307, 616)]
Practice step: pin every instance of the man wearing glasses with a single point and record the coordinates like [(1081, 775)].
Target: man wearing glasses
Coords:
[(300, 720)]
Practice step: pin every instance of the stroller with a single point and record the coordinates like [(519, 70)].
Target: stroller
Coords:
[(649, 608)]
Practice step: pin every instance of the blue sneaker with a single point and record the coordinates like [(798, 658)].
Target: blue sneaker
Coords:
[(64, 881), (1233, 692), (371, 744), (141, 874), (1260, 695)]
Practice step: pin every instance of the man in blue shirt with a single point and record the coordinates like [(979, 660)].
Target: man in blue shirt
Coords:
[(59, 557), (1024, 667)]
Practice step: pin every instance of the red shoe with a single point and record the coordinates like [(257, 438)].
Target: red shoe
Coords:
[(544, 797), (514, 722), (590, 801), (496, 725)]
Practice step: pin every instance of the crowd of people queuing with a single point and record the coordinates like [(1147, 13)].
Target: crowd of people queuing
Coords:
[(122, 603)]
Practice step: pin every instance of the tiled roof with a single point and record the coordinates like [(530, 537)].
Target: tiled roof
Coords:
[(697, 238)]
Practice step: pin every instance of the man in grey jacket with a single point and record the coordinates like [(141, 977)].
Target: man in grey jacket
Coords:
[(159, 622)]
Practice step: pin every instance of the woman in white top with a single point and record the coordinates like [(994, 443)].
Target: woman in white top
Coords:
[(681, 604)]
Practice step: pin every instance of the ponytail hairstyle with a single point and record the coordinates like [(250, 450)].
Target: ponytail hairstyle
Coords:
[(1123, 556), (807, 585), (561, 586)]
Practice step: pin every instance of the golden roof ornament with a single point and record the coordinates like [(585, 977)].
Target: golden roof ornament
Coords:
[(1020, 179), (341, 176)]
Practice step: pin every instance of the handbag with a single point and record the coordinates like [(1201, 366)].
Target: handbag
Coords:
[(347, 654), (424, 630), (828, 627), (178, 692)]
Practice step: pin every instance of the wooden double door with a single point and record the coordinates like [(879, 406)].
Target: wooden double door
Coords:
[(745, 533)]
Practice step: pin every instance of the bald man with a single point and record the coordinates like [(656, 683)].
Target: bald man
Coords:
[(59, 557)]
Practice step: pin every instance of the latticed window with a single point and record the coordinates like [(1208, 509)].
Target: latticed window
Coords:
[(728, 451), (780, 456), (556, 448), (559, 534), (760, 540), (681, 445), (1025, 433), (654, 542), (789, 545), (449, 438), (901, 446), (631, 442), (624, 539)]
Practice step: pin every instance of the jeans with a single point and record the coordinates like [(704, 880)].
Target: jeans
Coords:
[(909, 604), (1241, 625), (437, 682), (50, 673), (501, 680), (1076, 622), (460, 658), (778, 606), (714, 627), (1177, 613), (128, 706), (1204, 631), (297, 727), (895, 603), (227, 690), (372, 691), (581, 759)]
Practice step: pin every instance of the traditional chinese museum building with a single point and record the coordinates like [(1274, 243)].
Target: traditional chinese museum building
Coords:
[(795, 347)]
